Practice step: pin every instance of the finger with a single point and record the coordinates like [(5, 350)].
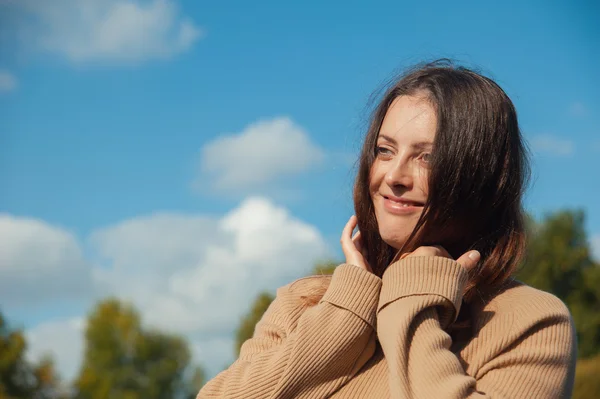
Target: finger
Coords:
[(431, 250), (442, 251), (469, 259), (346, 238), (349, 227), (364, 253), (359, 253), (357, 240), (358, 243), (363, 249)]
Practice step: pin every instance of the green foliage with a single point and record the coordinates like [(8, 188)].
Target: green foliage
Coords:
[(557, 254), (325, 267), (558, 260), (196, 382), (19, 379), (246, 328), (124, 361)]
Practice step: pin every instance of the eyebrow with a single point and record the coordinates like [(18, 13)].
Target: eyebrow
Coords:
[(419, 145)]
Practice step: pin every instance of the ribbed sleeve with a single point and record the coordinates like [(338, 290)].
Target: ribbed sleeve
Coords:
[(522, 343), (356, 290), (299, 352), (420, 295), (422, 275)]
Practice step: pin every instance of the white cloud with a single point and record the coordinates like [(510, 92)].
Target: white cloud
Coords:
[(553, 145), (185, 274), (578, 109), (155, 238), (595, 246), (39, 262), (189, 274), (106, 31), (63, 339), (8, 82), (263, 152)]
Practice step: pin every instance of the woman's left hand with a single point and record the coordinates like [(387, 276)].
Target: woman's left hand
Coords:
[(468, 260)]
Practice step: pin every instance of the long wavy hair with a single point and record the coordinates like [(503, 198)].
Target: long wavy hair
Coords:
[(478, 172)]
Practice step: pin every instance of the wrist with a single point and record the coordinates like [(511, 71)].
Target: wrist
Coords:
[(424, 275), (356, 290)]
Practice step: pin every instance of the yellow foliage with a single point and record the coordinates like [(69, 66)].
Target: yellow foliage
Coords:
[(587, 379)]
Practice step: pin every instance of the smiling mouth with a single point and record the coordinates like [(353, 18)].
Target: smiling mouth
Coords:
[(402, 202), (401, 207)]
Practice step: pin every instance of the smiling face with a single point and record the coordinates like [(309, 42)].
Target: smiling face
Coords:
[(399, 174)]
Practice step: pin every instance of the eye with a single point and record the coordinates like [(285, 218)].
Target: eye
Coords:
[(425, 157), (383, 151)]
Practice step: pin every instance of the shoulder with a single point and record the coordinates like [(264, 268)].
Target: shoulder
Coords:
[(524, 329), (292, 300), (302, 291), (525, 302), (304, 285), (518, 310)]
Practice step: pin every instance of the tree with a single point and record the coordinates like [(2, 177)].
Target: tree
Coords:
[(246, 327), (558, 261), (124, 361), (19, 379), (325, 267), (196, 382)]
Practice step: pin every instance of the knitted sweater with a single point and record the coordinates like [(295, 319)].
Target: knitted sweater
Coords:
[(372, 337)]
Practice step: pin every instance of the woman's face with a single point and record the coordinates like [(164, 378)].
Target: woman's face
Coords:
[(399, 175)]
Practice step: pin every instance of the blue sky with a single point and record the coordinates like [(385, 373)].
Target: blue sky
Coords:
[(149, 148)]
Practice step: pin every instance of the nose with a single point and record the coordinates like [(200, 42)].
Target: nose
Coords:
[(400, 173)]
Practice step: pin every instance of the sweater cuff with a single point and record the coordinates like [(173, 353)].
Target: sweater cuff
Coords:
[(424, 275), (356, 290)]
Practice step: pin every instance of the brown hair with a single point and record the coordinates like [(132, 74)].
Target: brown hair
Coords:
[(479, 169)]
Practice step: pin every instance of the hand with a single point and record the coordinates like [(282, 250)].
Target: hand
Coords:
[(468, 260), (352, 246)]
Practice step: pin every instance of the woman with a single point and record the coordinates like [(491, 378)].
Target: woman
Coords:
[(425, 306)]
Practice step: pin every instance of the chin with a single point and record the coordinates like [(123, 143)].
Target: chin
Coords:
[(395, 241), (395, 230)]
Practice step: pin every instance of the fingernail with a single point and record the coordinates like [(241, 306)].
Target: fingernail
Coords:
[(475, 255)]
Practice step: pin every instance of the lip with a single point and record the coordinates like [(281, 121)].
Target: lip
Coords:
[(401, 206)]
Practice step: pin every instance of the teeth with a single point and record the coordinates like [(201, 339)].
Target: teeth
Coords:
[(402, 204)]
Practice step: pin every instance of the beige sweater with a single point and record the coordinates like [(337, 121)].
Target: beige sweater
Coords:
[(372, 337)]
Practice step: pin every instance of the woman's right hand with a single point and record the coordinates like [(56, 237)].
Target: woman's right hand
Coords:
[(352, 246)]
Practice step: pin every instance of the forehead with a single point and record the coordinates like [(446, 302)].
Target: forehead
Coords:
[(410, 118)]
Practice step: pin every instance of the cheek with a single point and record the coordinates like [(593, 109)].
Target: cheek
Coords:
[(422, 181), (372, 189), (375, 177)]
